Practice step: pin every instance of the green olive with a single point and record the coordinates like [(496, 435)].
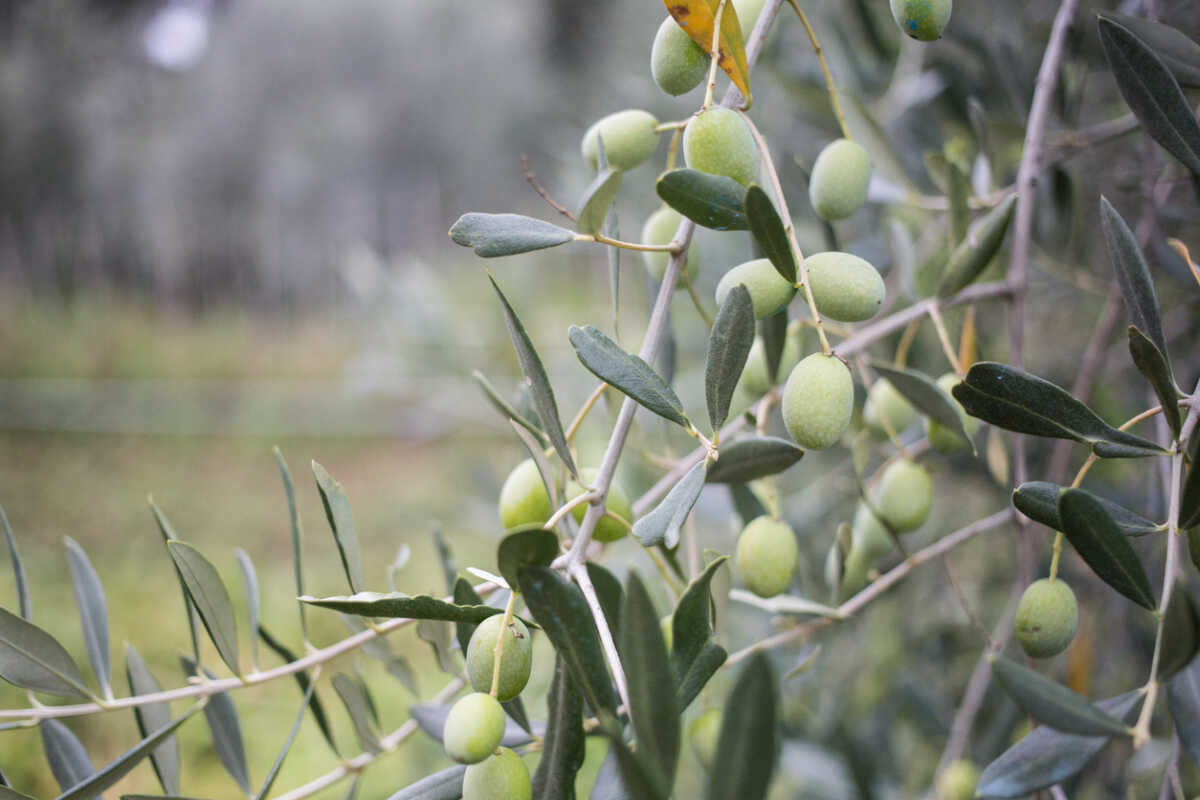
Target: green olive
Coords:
[(607, 529), (503, 776), (904, 495), (942, 438), (704, 732), (474, 728), (515, 662), (867, 534), (840, 175), (766, 556), (1047, 617), (717, 141), (923, 20), (885, 404), (660, 228), (629, 138), (845, 287), (958, 781), (818, 401), (754, 375), (677, 63), (769, 291), (523, 498)]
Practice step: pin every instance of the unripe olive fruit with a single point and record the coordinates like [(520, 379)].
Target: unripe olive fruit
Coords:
[(942, 438), (766, 556), (867, 534), (1047, 617), (923, 20), (958, 781), (718, 142), (677, 63), (818, 400), (754, 375), (660, 229), (840, 175), (703, 733), (629, 138), (845, 287), (503, 776), (515, 662), (523, 498), (904, 495), (607, 529), (885, 404), (474, 728), (769, 291)]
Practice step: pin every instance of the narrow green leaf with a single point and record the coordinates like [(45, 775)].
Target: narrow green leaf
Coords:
[(560, 609), (1046, 756), (289, 490), (444, 785), (432, 719), (538, 382), (768, 230), (663, 523), (753, 457), (729, 344), (93, 612), (597, 199), (1153, 365), (465, 595), (168, 534), (609, 593), (1038, 500), (152, 716), (745, 503), (651, 687), (638, 778), (210, 598), (287, 745), (358, 707), (399, 605), (341, 522), (24, 601), (1183, 701), (1181, 633), (563, 747), (1017, 401), (69, 762), (302, 678), (1177, 52), (531, 545), (626, 372), (970, 258), (250, 581), (1152, 93), (749, 740), (706, 663), (439, 635), (506, 409), (492, 235), (713, 201), (1054, 704), (957, 192), (1133, 276), (926, 396), (867, 131), (225, 728), (33, 659), (1100, 542), (691, 622), (773, 331)]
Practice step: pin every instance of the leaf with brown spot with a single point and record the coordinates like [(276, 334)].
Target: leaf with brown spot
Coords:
[(697, 18)]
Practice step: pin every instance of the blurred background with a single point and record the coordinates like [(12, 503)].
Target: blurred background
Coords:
[(223, 228)]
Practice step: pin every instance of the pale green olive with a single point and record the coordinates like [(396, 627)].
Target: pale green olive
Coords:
[(660, 229), (523, 498), (704, 732), (474, 728), (515, 662), (1047, 617), (867, 534), (677, 63), (718, 142), (769, 291), (818, 401), (887, 407), (840, 175), (766, 556), (845, 287), (607, 529), (942, 438), (923, 20), (904, 495), (503, 776), (629, 138), (958, 781)]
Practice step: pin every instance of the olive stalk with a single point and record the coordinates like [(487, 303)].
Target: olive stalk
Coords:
[(829, 86), (498, 658)]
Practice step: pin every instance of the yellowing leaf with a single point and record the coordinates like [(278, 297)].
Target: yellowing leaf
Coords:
[(968, 348), (697, 18)]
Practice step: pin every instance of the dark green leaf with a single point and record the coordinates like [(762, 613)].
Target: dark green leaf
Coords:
[(1054, 704), (25, 604), (93, 612), (359, 708), (639, 779), (745, 503), (706, 663), (561, 610), (445, 556), (1133, 275), (1046, 756), (494, 235), (626, 372), (465, 595), (168, 534), (69, 762), (33, 659), (394, 605), (691, 622), (1189, 503), (663, 523), (926, 396), (287, 745), (773, 331), (210, 598), (1183, 701), (506, 409), (1177, 52), (1153, 365), (970, 258), (1181, 633), (289, 490), (729, 344), (713, 201), (1017, 401), (609, 593), (226, 730), (957, 192), (749, 740), (651, 687), (1193, 537), (597, 199), (753, 457), (563, 748), (341, 522), (444, 785), (536, 379), (314, 703), (532, 545), (1038, 500), (151, 716), (1100, 542), (768, 230), (250, 580), (432, 720)]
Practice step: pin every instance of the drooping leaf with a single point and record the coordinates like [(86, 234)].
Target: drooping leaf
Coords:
[(729, 344), (1153, 365), (691, 627), (24, 603), (563, 748), (297, 531), (151, 716), (225, 728), (706, 663), (439, 634), (93, 612), (698, 18), (168, 534), (639, 779), (287, 745), (537, 380), (1181, 633), (561, 610), (609, 593), (506, 409), (210, 599), (532, 545), (314, 701), (341, 523), (651, 688), (1102, 545), (250, 581), (444, 785), (358, 707), (396, 605), (432, 719), (926, 396), (1054, 704), (33, 659), (1177, 52), (597, 199), (492, 235), (749, 740), (753, 457), (1038, 500), (1133, 276), (1183, 701), (769, 232), (69, 761), (983, 240), (774, 333), (1017, 401), (626, 372), (713, 201), (1046, 756), (1152, 93), (663, 523)]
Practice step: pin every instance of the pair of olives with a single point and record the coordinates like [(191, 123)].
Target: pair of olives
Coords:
[(901, 498), (845, 288), (524, 501)]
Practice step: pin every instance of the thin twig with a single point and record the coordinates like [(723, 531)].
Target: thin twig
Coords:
[(579, 573), (829, 87), (532, 180)]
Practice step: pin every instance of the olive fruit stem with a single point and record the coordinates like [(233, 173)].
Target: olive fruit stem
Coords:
[(715, 52), (584, 410), (935, 314), (905, 344), (499, 651), (532, 180), (829, 86), (888, 428), (1182, 251), (673, 150), (600, 238), (677, 125), (661, 565), (691, 289)]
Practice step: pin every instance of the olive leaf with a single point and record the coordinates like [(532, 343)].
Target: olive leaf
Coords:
[(287, 745), (444, 785), (753, 457), (597, 198), (341, 522), (609, 593), (745, 503), (93, 612), (530, 545), (24, 603), (694, 656), (359, 708), (972, 255), (1098, 539), (698, 18), (1153, 365), (289, 490), (957, 192), (225, 728), (397, 605), (626, 372), (774, 333), (506, 410), (1054, 704), (165, 757), (1189, 503), (494, 235), (663, 523), (713, 201), (1181, 633), (210, 598), (1038, 500), (168, 535), (33, 659), (303, 680), (69, 761), (749, 740), (926, 396), (1177, 52), (563, 750), (1183, 701), (729, 344), (769, 232)]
